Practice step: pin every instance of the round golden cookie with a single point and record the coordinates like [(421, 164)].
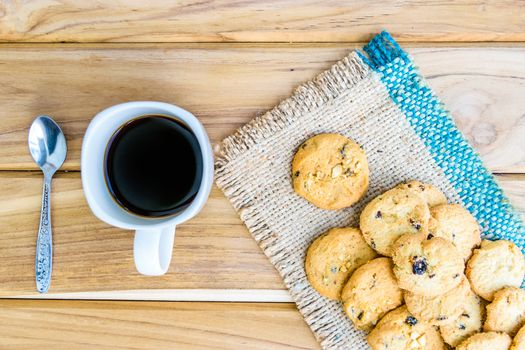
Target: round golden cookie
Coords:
[(428, 192), (495, 265), (330, 171), (399, 330), (519, 340), (468, 323), (486, 341), (392, 214), (333, 257), (442, 309), (427, 266), (506, 313), (370, 293), (455, 223)]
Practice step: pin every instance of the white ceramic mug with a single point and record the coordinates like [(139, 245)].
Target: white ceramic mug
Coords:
[(153, 236)]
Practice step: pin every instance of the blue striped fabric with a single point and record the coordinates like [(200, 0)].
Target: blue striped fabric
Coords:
[(475, 185)]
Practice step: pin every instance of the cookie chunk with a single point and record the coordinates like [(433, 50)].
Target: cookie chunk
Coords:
[(392, 214), (468, 323), (441, 310), (371, 292), (428, 192), (497, 264), (399, 330), (330, 171), (506, 313), (427, 266), (455, 223), (486, 341), (519, 340), (333, 257)]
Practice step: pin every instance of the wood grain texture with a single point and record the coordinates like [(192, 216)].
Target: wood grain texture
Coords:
[(151, 325), (268, 21), (226, 86), (212, 251)]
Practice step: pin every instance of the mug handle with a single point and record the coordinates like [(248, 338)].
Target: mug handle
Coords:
[(152, 250)]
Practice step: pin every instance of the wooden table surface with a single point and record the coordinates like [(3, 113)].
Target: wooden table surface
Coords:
[(226, 61)]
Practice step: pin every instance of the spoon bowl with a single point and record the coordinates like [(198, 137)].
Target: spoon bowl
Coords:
[(47, 145)]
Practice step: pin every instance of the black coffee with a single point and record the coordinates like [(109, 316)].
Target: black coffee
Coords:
[(153, 166)]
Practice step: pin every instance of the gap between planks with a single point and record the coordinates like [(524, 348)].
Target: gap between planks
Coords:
[(276, 21), (187, 295), (254, 44)]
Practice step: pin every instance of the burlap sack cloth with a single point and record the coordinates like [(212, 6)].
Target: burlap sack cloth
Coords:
[(253, 170)]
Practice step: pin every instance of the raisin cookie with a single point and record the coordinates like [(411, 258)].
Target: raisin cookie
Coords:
[(497, 264), (486, 341), (330, 171), (371, 292), (392, 214), (519, 340), (468, 323), (506, 313), (427, 266), (455, 223), (430, 193), (399, 330), (441, 310), (333, 257)]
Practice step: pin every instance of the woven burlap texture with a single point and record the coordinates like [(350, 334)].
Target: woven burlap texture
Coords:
[(253, 169)]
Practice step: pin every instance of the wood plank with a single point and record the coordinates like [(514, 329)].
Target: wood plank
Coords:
[(151, 325), (212, 251), (248, 21), (226, 86)]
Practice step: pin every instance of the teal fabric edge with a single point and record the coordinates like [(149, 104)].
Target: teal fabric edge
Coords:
[(462, 166)]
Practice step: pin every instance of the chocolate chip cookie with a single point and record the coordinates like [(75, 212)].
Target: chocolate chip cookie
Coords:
[(330, 171), (399, 330), (371, 292), (519, 340), (427, 266), (468, 323), (486, 341), (392, 214), (442, 309), (506, 313), (495, 265), (428, 192), (455, 223), (333, 257)]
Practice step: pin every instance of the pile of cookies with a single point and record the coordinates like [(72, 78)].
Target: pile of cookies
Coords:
[(416, 273)]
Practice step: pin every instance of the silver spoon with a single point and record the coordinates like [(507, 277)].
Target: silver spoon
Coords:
[(47, 145)]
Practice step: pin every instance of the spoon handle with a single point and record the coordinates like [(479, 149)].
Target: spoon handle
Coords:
[(44, 244)]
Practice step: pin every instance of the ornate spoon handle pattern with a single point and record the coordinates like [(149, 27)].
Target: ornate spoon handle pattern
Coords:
[(44, 246)]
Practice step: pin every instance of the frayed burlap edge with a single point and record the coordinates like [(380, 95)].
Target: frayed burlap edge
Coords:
[(308, 97)]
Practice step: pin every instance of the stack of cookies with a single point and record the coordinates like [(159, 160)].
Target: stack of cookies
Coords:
[(416, 274)]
